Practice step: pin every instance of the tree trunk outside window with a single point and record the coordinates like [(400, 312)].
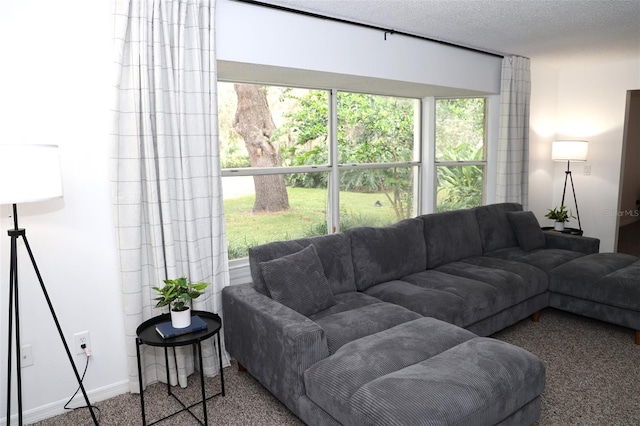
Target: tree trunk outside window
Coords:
[(254, 123)]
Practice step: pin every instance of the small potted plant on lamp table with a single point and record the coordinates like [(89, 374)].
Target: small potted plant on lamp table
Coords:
[(178, 294), (560, 215)]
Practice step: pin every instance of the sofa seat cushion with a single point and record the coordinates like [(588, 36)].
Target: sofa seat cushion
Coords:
[(346, 302), (425, 372), (466, 292), (607, 278), (344, 327), (545, 259), (549, 259), (463, 293), (433, 294)]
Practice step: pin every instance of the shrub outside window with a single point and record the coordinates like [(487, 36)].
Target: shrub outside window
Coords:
[(460, 157)]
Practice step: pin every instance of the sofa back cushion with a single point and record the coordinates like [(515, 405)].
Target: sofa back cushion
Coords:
[(387, 253), (496, 231), (333, 250), (451, 236)]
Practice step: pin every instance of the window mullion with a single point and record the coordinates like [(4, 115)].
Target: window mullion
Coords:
[(429, 182), (333, 190)]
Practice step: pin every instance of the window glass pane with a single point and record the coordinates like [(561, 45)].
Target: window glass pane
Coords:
[(460, 125), (459, 187), (376, 197), (375, 129), (270, 126), (248, 227)]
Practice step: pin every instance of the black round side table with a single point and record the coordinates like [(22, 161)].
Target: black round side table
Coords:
[(147, 335)]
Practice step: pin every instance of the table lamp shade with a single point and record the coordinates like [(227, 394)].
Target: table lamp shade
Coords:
[(29, 173), (569, 150)]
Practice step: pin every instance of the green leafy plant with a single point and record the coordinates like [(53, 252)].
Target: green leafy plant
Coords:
[(178, 293), (559, 214)]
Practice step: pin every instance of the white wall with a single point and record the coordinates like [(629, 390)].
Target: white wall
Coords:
[(590, 104), (542, 127), (249, 34), (55, 88)]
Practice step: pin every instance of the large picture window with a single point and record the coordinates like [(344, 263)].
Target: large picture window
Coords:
[(287, 173), (302, 162)]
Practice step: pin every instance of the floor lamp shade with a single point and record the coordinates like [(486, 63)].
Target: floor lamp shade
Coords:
[(29, 173), (569, 150)]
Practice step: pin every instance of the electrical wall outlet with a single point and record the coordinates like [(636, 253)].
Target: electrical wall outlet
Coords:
[(81, 338), (26, 356)]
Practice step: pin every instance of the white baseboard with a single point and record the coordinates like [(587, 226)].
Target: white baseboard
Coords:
[(57, 408)]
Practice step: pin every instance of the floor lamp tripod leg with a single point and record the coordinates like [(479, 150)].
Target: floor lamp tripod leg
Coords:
[(13, 314), (55, 319), (575, 200)]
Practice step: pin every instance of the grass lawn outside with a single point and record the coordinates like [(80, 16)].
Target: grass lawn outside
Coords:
[(305, 217)]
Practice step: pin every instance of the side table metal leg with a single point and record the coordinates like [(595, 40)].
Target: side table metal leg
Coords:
[(166, 364), (220, 361), (204, 396), (144, 420)]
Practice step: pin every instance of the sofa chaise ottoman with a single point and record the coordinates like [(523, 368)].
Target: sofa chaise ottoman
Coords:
[(608, 288), (428, 372)]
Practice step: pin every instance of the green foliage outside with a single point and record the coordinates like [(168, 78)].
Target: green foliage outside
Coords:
[(371, 129), (460, 187), (460, 136)]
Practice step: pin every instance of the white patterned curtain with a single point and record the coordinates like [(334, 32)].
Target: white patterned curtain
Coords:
[(165, 168), (513, 136)]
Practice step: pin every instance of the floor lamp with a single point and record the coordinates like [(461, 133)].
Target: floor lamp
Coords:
[(569, 151), (28, 173)]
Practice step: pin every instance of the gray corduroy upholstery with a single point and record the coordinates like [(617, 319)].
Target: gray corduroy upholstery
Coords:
[(400, 344), (387, 253), (527, 230), (333, 250), (297, 280), (609, 288), (451, 236), (425, 372), (496, 231)]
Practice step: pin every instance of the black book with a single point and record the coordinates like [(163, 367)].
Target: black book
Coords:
[(166, 330)]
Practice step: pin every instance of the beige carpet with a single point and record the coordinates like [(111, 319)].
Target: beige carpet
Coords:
[(593, 378)]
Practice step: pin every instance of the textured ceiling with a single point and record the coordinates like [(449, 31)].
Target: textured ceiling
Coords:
[(559, 33)]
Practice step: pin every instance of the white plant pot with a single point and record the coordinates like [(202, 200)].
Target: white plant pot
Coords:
[(181, 319), (558, 226)]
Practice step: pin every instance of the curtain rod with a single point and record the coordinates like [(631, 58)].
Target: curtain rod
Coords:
[(359, 24)]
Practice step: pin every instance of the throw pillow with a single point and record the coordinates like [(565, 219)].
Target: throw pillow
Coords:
[(297, 280), (527, 230)]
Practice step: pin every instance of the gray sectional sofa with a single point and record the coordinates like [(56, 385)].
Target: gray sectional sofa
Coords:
[(381, 326)]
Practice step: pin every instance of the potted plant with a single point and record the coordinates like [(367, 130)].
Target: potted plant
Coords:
[(177, 294), (560, 216)]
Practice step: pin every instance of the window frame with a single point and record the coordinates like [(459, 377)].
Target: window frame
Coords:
[(425, 178), (462, 163)]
